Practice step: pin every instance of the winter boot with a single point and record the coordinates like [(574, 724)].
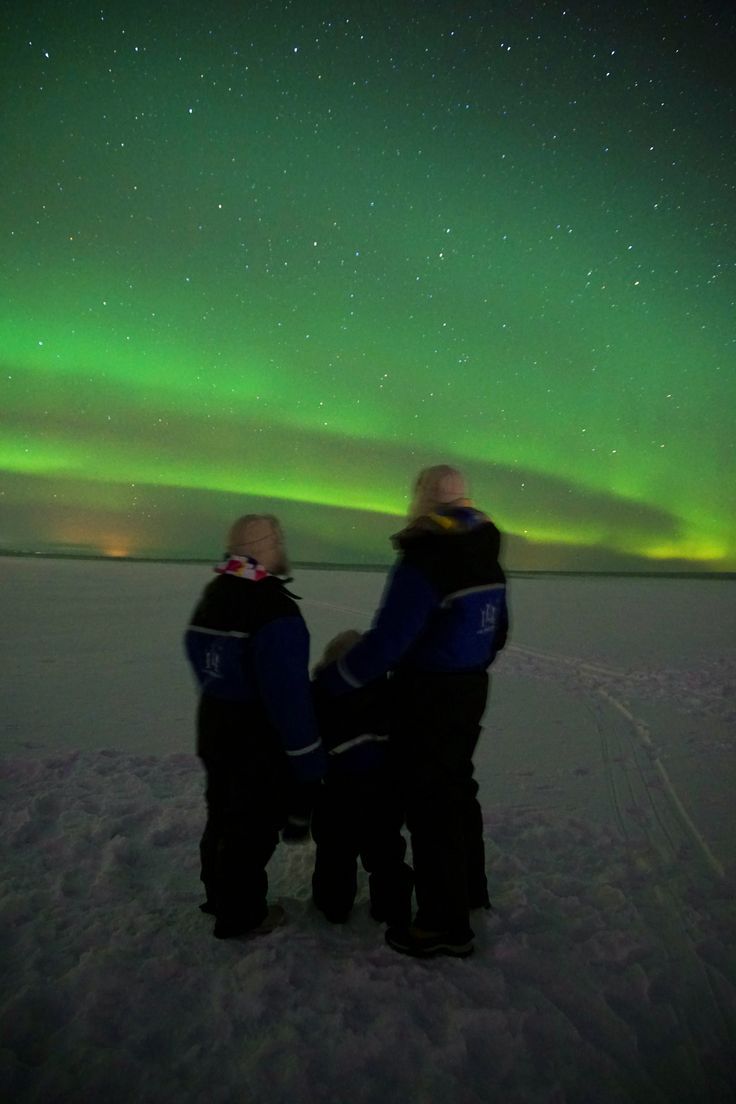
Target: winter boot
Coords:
[(419, 943)]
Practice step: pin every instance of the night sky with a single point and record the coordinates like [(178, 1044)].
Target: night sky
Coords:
[(278, 256)]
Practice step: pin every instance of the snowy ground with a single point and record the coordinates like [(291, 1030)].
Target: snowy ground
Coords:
[(607, 769)]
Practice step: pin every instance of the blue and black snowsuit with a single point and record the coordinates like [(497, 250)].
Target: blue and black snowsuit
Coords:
[(256, 732), (442, 620), (357, 814)]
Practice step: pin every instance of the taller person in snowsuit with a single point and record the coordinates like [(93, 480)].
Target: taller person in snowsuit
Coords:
[(256, 732), (441, 622)]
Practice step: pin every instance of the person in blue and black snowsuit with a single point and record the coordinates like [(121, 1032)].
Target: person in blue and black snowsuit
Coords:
[(357, 814), (256, 732), (442, 619)]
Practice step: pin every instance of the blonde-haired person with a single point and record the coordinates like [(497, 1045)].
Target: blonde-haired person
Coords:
[(257, 738), (441, 621)]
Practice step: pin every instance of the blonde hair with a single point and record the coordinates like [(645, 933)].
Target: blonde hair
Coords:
[(261, 537), (440, 485)]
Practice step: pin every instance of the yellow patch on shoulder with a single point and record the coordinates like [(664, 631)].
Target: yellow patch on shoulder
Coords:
[(443, 522)]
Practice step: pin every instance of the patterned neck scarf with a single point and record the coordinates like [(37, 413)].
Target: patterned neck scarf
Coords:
[(245, 567)]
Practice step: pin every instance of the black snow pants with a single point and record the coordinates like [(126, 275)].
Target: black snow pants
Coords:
[(247, 794), (434, 733), (358, 817)]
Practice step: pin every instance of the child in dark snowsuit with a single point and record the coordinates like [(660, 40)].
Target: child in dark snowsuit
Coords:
[(357, 813)]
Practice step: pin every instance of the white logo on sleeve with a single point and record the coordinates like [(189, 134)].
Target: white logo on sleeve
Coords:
[(213, 663), (487, 618)]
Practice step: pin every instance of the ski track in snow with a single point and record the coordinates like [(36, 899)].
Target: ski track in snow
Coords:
[(639, 785)]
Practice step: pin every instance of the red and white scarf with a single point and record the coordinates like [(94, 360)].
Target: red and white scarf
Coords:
[(245, 567)]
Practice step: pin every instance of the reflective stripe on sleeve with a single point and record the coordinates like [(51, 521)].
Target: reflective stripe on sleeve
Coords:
[(218, 632), (364, 739), (347, 675), (471, 590), (306, 750)]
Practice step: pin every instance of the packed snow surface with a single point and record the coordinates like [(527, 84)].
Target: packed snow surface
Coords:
[(605, 973)]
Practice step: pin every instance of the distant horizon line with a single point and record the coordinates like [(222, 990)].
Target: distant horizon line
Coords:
[(322, 565)]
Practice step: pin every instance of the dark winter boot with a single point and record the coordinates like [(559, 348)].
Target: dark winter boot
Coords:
[(419, 943)]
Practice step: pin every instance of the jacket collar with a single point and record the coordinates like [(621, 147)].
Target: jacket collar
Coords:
[(450, 521)]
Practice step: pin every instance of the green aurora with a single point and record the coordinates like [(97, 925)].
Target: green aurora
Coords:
[(279, 256)]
